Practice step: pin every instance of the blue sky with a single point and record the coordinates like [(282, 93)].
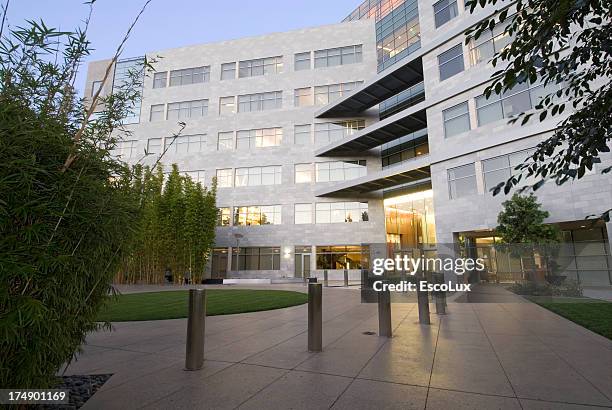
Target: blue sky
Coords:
[(174, 23)]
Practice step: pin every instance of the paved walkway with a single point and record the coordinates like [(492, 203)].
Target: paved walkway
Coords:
[(479, 356)]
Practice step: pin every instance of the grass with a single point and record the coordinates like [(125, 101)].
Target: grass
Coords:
[(173, 304), (593, 315)]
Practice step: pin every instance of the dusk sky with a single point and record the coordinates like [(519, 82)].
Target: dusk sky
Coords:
[(174, 23)]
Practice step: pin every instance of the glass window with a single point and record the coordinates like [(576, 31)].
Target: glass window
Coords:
[(157, 112), (327, 132), (261, 66), (303, 214), (489, 43), (224, 178), (225, 140), (253, 215), (224, 216), (303, 97), (338, 56), (187, 76), (259, 138), (227, 105), (154, 145), (499, 169), (198, 176), (399, 38), (183, 144), (302, 134), (303, 173), (160, 79), (324, 94), (95, 86), (228, 71), (342, 257), (450, 62), (445, 11), (124, 149), (256, 258), (260, 102), (256, 176), (340, 170), (462, 181), (302, 61), (456, 119), (340, 212), (126, 72), (187, 109)]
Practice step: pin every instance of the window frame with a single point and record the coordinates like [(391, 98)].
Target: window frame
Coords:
[(450, 60)]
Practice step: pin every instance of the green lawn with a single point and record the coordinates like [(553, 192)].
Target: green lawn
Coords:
[(594, 315), (173, 304)]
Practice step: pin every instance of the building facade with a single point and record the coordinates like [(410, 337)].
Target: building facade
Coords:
[(329, 140)]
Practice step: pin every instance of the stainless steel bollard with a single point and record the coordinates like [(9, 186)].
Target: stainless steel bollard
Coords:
[(346, 278), (423, 302), (325, 279), (384, 314), (196, 323), (315, 317)]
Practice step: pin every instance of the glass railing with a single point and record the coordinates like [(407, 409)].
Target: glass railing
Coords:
[(401, 101)]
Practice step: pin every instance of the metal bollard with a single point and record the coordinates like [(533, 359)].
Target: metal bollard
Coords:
[(196, 323), (325, 281), (384, 313), (440, 296), (346, 278), (423, 301), (315, 317)]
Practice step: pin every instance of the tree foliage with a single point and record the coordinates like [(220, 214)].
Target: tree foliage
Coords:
[(565, 43), (522, 221)]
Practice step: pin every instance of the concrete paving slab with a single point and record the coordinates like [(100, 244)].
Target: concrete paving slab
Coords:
[(374, 395)]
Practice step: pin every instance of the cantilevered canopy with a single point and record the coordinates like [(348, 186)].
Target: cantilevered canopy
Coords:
[(389, 129), (385, 85)]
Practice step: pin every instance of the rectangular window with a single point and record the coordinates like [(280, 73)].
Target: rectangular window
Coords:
[(303, 97), (228, 71), (260, 66), (198, 176), (342, 257), (500, 169), (186, 143), (398, 40), (326, 132), (95, 86), (257, 215), (187, 109), (124, 149), (456, 119), (303, 214), (157, 112), (255, 258), (225, 141), (227, 105), (340, 212), (188, 76), (450, 62), (462, 181), (224, 216), (160, 79), (445, 11), (256, 176), (340, 170), (489, 43), (260, 138), (154, 145), (260, 102), (302, 61), (303, 173), (338, 56), (302, 134), (224, 178), (324, 94)]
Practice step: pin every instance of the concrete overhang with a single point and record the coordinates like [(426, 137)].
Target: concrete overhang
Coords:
[(404, 122), (415, 170), (384, 85)]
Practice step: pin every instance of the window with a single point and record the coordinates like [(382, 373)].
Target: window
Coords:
[(198, 176), (256, 176), (303, 97), (224, 178), (227, 105), (400, 37), (327, 132), (302, 61), (445, 11), (324, 94), (126, 72), (340, 170), (95, 86), (187, 109), (224, 216), (160, 79), (257, 215), (303, 214), (225, 140), (500, 169), (256, 259), (456, 119), (303, 173), (338, 56), (450, 62), (260, 66), (337, 212), (302, 134), (157, 112), (342, 257), (265, 137), (462, 181), (260, 101), (489, 43), (522, 97), (124, 149), (228, 71), (405, 148), (190, 76), (186, 143), (154, 145)]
